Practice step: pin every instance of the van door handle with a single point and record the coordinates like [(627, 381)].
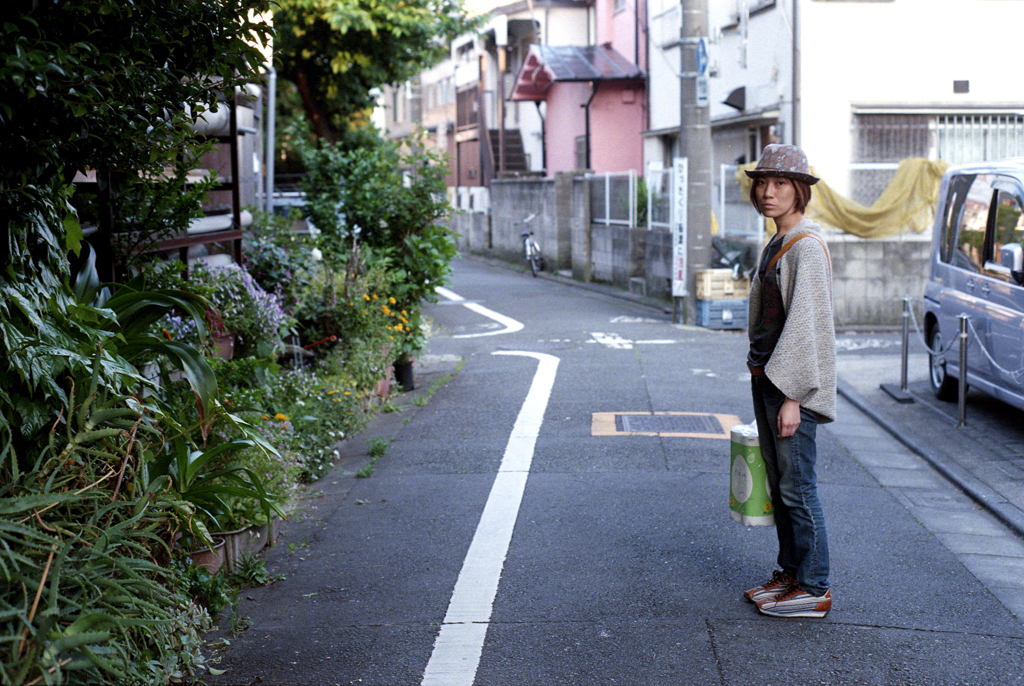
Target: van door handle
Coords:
[(985, 289), (970, 284)]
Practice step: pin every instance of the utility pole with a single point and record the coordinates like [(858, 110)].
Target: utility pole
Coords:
[(695, 143)]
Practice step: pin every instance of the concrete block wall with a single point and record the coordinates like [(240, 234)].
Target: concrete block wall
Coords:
[(472, 231), (581, 240), (512, 201), (870, 277), (658, 263)]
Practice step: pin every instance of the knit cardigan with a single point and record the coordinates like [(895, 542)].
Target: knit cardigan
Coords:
[(803, 364)]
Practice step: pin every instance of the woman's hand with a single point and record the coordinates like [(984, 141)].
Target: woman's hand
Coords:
[(789, 418)]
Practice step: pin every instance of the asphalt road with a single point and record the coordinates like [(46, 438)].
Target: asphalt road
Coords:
[(516, 532)]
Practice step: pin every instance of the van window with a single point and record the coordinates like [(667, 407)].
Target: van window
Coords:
[(1009, 222), (952, 213), (970, 242)]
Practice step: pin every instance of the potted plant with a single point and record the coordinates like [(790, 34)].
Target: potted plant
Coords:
[(208, 480)]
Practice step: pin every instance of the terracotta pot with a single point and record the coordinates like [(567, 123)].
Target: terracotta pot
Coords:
[(210, 560), (224, 346), (383, 387), (242, 542)]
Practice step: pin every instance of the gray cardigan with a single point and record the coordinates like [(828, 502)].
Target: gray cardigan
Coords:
[(803, 364)]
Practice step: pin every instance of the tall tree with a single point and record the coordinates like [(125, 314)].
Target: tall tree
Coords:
[(336, 51), (92, 84)]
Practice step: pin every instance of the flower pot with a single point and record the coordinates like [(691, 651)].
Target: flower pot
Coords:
[(383, 387), (242, 542), (404, 375), (210, 560)]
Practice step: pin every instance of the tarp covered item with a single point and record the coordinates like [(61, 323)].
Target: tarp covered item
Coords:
[(906, 205)]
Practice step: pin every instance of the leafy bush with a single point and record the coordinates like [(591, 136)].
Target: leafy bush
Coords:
[(318, 411), (88, 597), (238, 305), (278, 260), (394, 205)]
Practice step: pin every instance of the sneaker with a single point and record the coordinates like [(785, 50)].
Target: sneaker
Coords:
[(777, 585), (796, 602)]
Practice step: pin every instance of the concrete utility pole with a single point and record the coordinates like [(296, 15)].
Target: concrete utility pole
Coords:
[(695, 145)]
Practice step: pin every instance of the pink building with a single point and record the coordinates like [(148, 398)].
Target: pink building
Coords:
[(595, 95)]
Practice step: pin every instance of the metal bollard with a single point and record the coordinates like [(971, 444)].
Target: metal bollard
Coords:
[(962, 391), (903, 343)]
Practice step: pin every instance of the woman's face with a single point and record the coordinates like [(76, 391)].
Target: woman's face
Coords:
[(776, 197)]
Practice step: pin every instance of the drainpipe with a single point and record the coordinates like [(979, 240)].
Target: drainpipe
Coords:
[(543, 139), (796, 76), (593, 92), (636, 34), (268, 150)]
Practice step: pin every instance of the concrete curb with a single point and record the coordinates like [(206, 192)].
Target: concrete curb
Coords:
[(977, 490)]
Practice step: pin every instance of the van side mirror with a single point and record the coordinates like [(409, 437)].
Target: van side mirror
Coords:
[(1011, 256)]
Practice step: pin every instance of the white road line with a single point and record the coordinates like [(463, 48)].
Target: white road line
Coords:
[(460, 642), (511, 325), (612, 340)]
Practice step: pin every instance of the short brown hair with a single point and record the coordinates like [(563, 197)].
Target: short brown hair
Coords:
[(802, 189)]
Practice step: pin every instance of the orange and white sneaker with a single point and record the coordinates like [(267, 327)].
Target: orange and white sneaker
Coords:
[(796, 602), (777, 585)]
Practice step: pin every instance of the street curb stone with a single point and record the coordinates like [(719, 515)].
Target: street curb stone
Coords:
[(976, 489)]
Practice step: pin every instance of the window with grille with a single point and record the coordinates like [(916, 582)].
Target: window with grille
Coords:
[(883, 140), (466, 108), (979, 137)]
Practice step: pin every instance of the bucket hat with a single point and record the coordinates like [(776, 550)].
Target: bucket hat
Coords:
[(783, 160)]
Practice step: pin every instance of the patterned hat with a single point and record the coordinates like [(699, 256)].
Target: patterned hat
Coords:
[(783, 160)]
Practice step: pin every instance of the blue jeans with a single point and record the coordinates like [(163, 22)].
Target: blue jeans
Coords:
[(789, 462)]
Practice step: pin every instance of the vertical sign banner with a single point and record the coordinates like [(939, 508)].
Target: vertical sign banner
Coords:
[(680, 183)]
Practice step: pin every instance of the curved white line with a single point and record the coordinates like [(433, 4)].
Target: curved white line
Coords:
[(511, 325), (460, 642)]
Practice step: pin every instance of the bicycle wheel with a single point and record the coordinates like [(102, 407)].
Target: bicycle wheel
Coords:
[(534, 259)]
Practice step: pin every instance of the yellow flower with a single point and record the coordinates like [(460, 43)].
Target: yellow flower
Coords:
[(347, 393), (280, 417), (398, 327), (387, 310), (392, 300), (365, 296), (374, 296)]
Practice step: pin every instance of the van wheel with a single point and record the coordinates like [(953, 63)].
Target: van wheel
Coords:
[(944, 386)]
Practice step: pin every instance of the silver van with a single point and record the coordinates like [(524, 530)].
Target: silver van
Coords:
[(976, 270)]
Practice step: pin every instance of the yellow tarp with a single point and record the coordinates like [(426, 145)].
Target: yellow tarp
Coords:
[(907, 204)]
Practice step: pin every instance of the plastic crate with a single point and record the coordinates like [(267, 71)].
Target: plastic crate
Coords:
[(714, 284), (725, 313)]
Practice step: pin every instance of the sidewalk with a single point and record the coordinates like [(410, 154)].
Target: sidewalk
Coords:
[(917, 451)]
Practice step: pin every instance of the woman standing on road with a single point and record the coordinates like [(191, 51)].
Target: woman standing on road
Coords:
[(793, 379)]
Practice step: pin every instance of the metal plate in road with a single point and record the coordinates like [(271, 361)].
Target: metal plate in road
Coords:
[(670, 424)]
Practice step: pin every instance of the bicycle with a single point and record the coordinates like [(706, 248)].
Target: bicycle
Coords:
[(531, 251)]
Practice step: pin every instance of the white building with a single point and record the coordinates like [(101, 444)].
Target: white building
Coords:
[(859, 84)]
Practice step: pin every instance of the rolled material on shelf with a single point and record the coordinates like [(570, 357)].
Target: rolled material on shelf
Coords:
[(217, 222)]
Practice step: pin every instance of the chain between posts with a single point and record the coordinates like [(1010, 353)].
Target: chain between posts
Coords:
[(966, 326)]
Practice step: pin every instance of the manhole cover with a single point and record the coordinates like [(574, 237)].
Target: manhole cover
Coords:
[(668, 423), (672, 424)]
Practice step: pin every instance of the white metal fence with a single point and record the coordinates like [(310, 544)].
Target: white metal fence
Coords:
[(613, 198)]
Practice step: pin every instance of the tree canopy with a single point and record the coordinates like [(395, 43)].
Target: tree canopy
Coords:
[(92, 84), (337, 51), (107, 84)]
